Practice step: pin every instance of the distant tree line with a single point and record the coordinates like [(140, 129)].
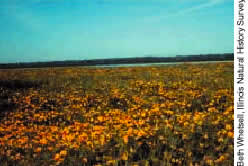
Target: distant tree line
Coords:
[(96, 62)]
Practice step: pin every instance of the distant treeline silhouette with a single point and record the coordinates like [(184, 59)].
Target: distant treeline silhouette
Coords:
[(95, 62)]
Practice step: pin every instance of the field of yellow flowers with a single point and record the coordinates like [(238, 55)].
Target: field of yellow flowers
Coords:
[(144, 116)]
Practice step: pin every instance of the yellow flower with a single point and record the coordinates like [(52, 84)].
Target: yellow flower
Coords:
[(43, 141), (220, 140), (75, 146), (125, 139), (98, 128), (185, 136), (124, 156), (63, 153), (100, 118), (143, 114), (84, 160), (8, 153), (83, 137), (186, 124), (38, 150), (230, 134), (205, 136), (50, 148), (228, 127), (57, 157), (102, 139), (70, 137), (89, 143), (220, 159), (210, 162), (141, 133), (10, 142), (54, 128), (18, 156)]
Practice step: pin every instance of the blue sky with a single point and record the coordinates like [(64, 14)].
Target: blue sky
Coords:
[(47, 30)]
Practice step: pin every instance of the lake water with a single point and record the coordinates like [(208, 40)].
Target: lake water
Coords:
[(156, 64)]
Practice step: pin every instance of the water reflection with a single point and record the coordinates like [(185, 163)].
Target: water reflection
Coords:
[(156, 64)]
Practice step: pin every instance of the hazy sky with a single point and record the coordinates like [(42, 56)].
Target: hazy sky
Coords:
[(45, 30)]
